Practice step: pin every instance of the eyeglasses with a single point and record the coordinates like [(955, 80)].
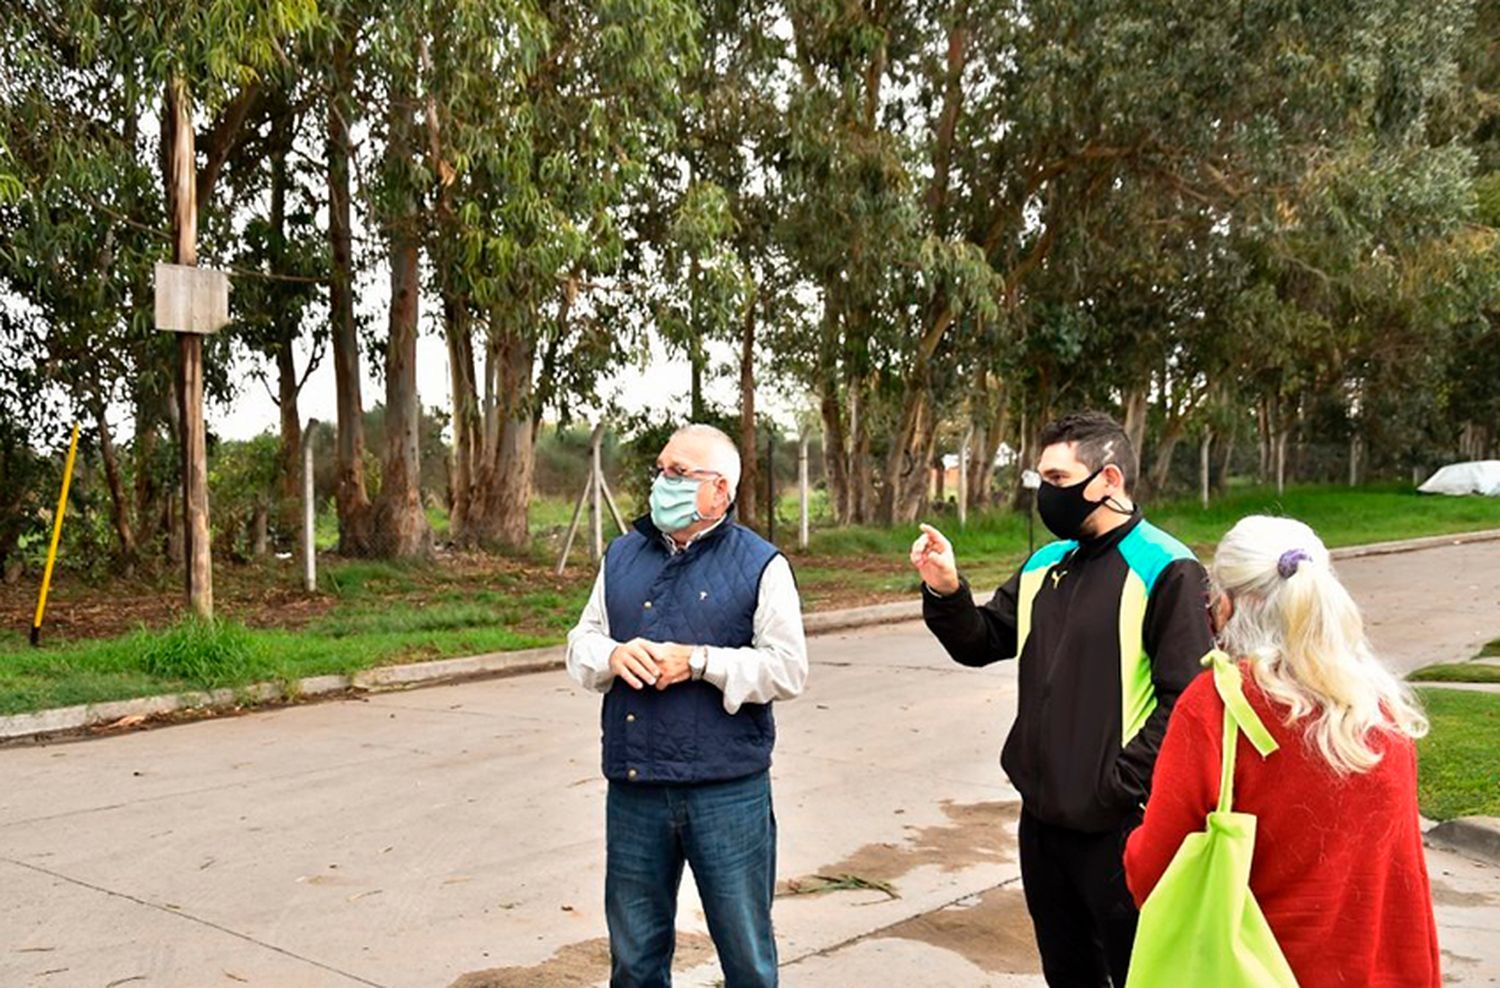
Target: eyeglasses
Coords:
[(674, 473)]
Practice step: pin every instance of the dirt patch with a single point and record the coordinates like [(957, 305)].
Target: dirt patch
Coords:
[(262, 595), (992, 932), (579, 965), (265, 594), (976, 834), (1444, 894)]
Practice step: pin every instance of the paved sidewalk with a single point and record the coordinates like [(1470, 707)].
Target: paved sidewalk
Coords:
[(453, 835)]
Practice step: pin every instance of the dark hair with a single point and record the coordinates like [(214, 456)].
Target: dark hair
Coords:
[(1098, 440)]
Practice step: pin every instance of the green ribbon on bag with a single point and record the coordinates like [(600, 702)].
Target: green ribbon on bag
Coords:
[(1201, 925)]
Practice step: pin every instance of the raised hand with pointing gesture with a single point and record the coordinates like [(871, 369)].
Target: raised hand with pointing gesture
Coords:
[(932, 555)]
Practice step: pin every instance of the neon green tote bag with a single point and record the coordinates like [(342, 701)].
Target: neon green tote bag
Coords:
[(1201, 926)]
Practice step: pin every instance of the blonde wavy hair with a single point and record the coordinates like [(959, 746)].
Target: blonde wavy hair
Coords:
[(1305, 639)]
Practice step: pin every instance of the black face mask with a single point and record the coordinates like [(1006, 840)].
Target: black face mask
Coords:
[(1064, 509)]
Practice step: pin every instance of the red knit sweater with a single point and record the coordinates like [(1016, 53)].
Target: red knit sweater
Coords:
[(1339, 870)]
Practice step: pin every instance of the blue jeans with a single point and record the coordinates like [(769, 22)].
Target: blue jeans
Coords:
[(726, 831)]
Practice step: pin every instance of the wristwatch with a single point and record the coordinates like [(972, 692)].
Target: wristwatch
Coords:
[(698, 660)]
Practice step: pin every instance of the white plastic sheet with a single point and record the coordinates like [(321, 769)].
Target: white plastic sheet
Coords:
[(1477, 477)]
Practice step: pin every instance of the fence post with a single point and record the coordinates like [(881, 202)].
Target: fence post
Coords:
[(309, 512), (770, 488), (802, 485), (963, 478), (596, 473), (1204, 471)]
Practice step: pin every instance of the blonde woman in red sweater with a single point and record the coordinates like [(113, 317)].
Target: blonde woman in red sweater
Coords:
[(1339, 870)]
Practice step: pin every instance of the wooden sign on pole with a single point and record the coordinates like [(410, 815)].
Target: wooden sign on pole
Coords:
[(191, 299)]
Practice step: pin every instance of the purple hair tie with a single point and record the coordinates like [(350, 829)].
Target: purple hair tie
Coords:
[(1290, 560)]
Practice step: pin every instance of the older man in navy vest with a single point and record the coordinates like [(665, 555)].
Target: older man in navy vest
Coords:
[(693, 629)]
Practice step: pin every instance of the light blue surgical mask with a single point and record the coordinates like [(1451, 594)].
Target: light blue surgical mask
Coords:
[(674, 503)]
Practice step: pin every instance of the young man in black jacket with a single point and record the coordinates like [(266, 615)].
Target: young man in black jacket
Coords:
[(1109, 625)]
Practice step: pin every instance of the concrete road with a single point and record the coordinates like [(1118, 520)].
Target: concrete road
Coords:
[(1437, 605), (452, 836)]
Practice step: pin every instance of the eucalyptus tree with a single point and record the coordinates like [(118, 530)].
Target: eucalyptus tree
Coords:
[(281, 254), (541, 123)]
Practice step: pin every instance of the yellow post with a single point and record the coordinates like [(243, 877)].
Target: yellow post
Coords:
[(62, 505)]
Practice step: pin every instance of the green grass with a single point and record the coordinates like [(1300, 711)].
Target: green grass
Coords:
[(1458, 763), (363, 631), (1341, 516), (1463, 672), (233, 655), (1457, 672)]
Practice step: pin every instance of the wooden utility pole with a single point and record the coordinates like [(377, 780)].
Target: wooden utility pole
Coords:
[(200, 587)]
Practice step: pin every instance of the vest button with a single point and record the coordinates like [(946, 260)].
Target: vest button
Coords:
[(632, 773), (630, 718), (648, 605)]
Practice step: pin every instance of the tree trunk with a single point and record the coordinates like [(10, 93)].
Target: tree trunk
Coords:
[(119, 503), (696, 357), (1029, 450), (1161, 466), (399, 517), (1137, 411), (861, 466), (459, 332), (258, 534), (289, 466), (353, 501), (903, 458), (1282, 436), (148, 506), (289, 469), (498, 516), (174, 528), (917, 491), (836, 440), (1263, 427), (1226, 459), (835, 453), (749, 494), (989, 436)]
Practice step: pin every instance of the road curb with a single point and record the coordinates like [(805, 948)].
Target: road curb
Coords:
[(822, 622), (1473, 836), (65, 720), (1415, 545)]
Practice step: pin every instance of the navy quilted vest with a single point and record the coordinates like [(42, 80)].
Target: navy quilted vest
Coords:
[(705, 595)]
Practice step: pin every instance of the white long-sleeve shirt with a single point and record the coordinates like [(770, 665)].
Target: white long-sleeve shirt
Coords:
[(772, 667)]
